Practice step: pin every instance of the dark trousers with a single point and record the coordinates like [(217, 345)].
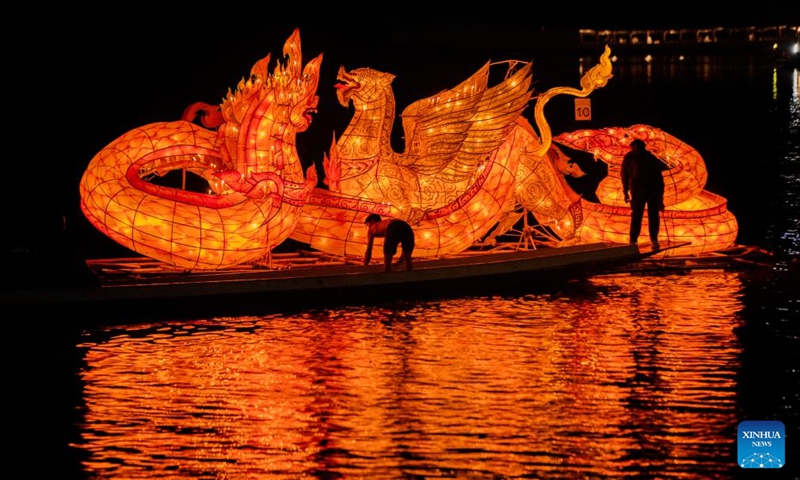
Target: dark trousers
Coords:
[(637, 213), (398, 233)]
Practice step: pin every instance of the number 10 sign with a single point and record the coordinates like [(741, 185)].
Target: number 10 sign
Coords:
[(583, 109)]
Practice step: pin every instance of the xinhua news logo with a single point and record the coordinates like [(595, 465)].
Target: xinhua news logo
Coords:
[(761, 444)]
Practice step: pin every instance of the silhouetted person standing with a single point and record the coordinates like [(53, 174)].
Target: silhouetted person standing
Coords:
[(395, 232), (643, 185)]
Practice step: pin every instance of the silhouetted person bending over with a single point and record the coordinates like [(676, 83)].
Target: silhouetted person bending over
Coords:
[(394, 232), (643, 185)]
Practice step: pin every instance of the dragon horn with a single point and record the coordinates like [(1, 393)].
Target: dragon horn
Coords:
[(291, 49), (342, 74), (261, 68), (311, 73)]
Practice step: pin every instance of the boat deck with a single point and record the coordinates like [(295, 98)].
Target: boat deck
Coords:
[(141, 288), (301, 263)]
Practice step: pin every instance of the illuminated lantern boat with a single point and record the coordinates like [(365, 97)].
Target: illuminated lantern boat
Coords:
[(471, 161)]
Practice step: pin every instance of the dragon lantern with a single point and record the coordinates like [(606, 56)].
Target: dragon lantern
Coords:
[(256, 182), (692, 214)]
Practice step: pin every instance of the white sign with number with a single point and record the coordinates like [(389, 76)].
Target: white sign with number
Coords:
[(583, 109)]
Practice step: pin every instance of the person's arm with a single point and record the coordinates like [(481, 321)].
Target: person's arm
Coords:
[(368, 254), (624, 177), (662, 167)]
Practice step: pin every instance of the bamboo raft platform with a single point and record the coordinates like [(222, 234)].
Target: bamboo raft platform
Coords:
[(736, 257)]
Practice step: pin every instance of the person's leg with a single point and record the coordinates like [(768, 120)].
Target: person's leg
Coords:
[(402, 258), (653, 220), (389, 249), (408, 245), (637, 213), (407, 256)]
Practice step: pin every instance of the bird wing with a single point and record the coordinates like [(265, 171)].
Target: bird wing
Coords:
[(452, 133)]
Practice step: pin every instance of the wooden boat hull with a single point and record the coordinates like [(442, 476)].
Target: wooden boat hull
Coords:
[(176, 294)]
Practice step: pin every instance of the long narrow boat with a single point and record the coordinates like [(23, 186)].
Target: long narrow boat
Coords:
[(139, 289)]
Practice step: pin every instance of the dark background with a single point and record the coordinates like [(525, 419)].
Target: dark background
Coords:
[(80, 79)]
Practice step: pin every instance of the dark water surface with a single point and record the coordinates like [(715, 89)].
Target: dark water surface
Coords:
[(615, 376)]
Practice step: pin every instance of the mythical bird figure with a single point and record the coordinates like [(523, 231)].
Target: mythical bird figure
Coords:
[(452, 183), (256, 184), (467, 150), (449, 137)]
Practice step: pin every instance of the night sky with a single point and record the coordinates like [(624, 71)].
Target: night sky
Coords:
[(82, 79)]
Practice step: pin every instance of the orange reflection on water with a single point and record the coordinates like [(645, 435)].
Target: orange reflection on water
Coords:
[(663, 357), (620, 374)]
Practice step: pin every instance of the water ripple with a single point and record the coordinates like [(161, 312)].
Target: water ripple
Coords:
[(622, 375)]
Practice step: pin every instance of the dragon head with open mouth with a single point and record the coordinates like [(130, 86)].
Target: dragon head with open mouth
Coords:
[(291, 86), (362, 85)]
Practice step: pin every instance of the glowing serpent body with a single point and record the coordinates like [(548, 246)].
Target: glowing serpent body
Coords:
[(692, 214), (256, 181)]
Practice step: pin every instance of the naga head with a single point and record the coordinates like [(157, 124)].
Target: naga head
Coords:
[(291, 87), (362, 85)]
